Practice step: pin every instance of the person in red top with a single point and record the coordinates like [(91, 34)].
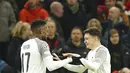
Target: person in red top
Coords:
[(127, 4), (32, 10)]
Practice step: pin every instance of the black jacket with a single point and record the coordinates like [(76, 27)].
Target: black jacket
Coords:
[(13, 56), (119, 55), (71, 48), (81, 50)]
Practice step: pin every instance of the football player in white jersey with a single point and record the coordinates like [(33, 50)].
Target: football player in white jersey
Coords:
[(35, 54), (98, 58)]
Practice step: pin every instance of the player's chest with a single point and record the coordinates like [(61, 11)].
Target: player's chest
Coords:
[(91, 56)]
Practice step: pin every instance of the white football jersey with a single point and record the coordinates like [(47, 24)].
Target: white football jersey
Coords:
[(33, 53)]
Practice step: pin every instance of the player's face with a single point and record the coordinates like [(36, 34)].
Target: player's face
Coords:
[(44, 31), (51, 28), (114, 39), (89, 40), (76, 35)]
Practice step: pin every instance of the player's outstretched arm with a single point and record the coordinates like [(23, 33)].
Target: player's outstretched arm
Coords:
[(75, 68), (99, 59), (48, 58), (53, 65)]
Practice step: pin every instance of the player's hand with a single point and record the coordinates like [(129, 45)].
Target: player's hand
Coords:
[(67, 54), (56, 57)]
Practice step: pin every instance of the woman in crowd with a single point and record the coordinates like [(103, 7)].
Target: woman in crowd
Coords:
[(20, 33)]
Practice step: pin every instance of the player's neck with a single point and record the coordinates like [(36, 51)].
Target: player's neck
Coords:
[(96, 44)]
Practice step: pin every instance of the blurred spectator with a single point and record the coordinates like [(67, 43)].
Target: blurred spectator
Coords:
[(76, 44), (74, 15), (127, 5), (7, 21), (103, 10), (20, 33), (47, 3), (33, 10), (54, 40), (118, 51), (125, 17), (56, 14), (96, 23), (115, 21)]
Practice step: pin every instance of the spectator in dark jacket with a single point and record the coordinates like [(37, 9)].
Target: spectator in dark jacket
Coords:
[(56, 14), (74, 15), (20, 33), (119, 52), (54, 40), (33, 10), (76, 45), (7, 22)]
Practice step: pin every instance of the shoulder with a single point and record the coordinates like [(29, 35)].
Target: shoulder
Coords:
[(103, 49), (41, 43)]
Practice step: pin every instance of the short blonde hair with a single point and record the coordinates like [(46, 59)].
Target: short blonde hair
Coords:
[(97, 23), (19, 28)]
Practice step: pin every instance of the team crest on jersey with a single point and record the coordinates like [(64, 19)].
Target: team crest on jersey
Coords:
[(26, 47)]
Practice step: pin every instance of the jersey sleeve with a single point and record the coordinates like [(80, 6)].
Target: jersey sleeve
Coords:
[(99, 59), (48, 58), (43, 48)]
